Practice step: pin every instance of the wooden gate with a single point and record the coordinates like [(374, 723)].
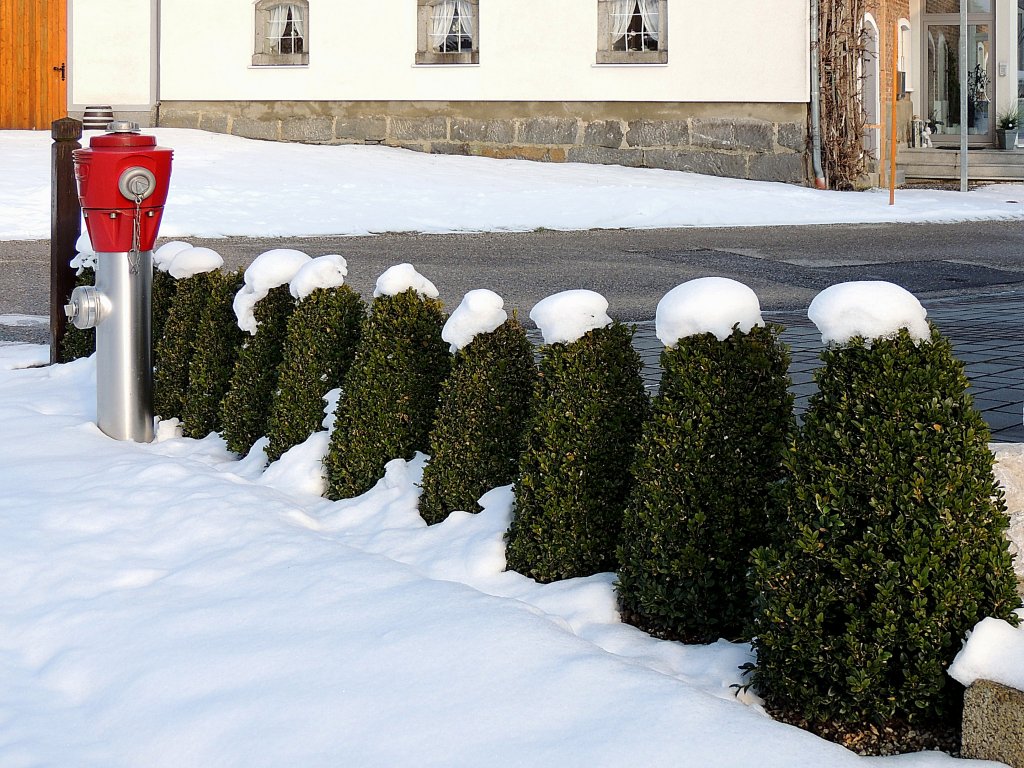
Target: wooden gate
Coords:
[(33, 63)]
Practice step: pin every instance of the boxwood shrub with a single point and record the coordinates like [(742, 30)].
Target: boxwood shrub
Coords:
[(390, 393), (480, 427), (574, 474), (217, 343), (893, 545), (246, 407), (706, 466), (320, 344), (172, 354), (162, 298), (78, 342)]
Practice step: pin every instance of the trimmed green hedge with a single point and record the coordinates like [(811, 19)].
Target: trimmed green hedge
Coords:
[(77, 342), (480, 428), (246, 407), (390, 393), (894, 543), (705, 469), (162, 299), (574, 473), (173, 352), (320, 344), (217, 344)]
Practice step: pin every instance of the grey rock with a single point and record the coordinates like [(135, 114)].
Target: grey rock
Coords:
[(658, 133), (548, 131), (418, 128), (993, 724), (603, 133)]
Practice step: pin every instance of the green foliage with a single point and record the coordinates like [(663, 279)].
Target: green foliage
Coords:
[(217, 343), (894, 544), (164, 289), (77, 342), (319, 347), (574, 473), (174, 350), (390, 393), (707, 462), (480, 428), (246, 407)]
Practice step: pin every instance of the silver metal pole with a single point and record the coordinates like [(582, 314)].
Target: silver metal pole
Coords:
[(963, 95)]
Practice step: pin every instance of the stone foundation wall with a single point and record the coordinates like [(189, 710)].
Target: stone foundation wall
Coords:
[(765, 142)]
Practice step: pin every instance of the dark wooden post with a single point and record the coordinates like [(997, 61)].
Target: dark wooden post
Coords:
[(65, 225)]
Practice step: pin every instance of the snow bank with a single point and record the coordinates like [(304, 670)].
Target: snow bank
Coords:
[(322, 272), (706, 305), (164, 255), (269, 270), (870, 308), (567, 316), (481, 311), (994, 651), (401, 278), (189, 262)]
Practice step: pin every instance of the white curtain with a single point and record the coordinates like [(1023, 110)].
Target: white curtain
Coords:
[(466, 20), (622, 14), (649, 13), (278, 20), (443, 15), (298, 23)]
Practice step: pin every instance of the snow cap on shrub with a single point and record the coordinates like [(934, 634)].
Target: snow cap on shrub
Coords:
[(193, 261), (86, 256), (481, 311), (401, 278), (164, 255), (707, 305), (869, 308), (323, 272), (567, 316), (268, 270)]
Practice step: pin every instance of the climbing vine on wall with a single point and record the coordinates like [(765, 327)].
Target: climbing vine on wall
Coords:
[(841, 48)]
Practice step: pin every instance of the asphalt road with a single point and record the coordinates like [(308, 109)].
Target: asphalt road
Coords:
[(786, 266)]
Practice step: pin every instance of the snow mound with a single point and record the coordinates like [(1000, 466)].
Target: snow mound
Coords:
[(994, 651), (565, 317), (707, 305), (402, 277), (269, 270), (323, 272), (481, 311), (85, 258), (193, 261), (873, 309), (164, 255)]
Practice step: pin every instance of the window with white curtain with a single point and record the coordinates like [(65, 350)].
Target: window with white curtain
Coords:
[(632, 32), (448, 32), (281, 33)]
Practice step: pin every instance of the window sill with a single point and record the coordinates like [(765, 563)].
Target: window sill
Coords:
[(424, 58), (632, 58), (280, 60)]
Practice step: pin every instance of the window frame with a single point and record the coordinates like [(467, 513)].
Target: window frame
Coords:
[(262, 55), (605, 54), (424, 25)]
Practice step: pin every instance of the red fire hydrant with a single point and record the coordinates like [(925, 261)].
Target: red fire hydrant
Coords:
[(123, 179)]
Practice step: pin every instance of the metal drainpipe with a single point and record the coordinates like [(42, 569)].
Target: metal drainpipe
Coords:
[(819, 174)]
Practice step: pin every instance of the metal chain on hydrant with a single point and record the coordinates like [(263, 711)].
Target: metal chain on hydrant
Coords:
[(133, 254)]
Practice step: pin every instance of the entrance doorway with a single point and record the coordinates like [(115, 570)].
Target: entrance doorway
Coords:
[(943, 78), (33, 63)]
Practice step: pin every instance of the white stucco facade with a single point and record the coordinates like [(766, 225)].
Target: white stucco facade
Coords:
[(532, 50), (112, 53)]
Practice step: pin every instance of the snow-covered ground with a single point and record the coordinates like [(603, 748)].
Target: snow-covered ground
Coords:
[(170, 605), (225, 185)]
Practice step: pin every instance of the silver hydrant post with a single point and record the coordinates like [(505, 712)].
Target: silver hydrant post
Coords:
[(122, 182)]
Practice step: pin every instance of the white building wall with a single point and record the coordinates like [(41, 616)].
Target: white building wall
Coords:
[(530, 50), (112, 53)]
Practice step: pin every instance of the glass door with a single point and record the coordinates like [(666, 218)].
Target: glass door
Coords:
[(943, 79)]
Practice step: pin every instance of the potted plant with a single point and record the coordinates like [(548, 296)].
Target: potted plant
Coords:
[(1007, 125)]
